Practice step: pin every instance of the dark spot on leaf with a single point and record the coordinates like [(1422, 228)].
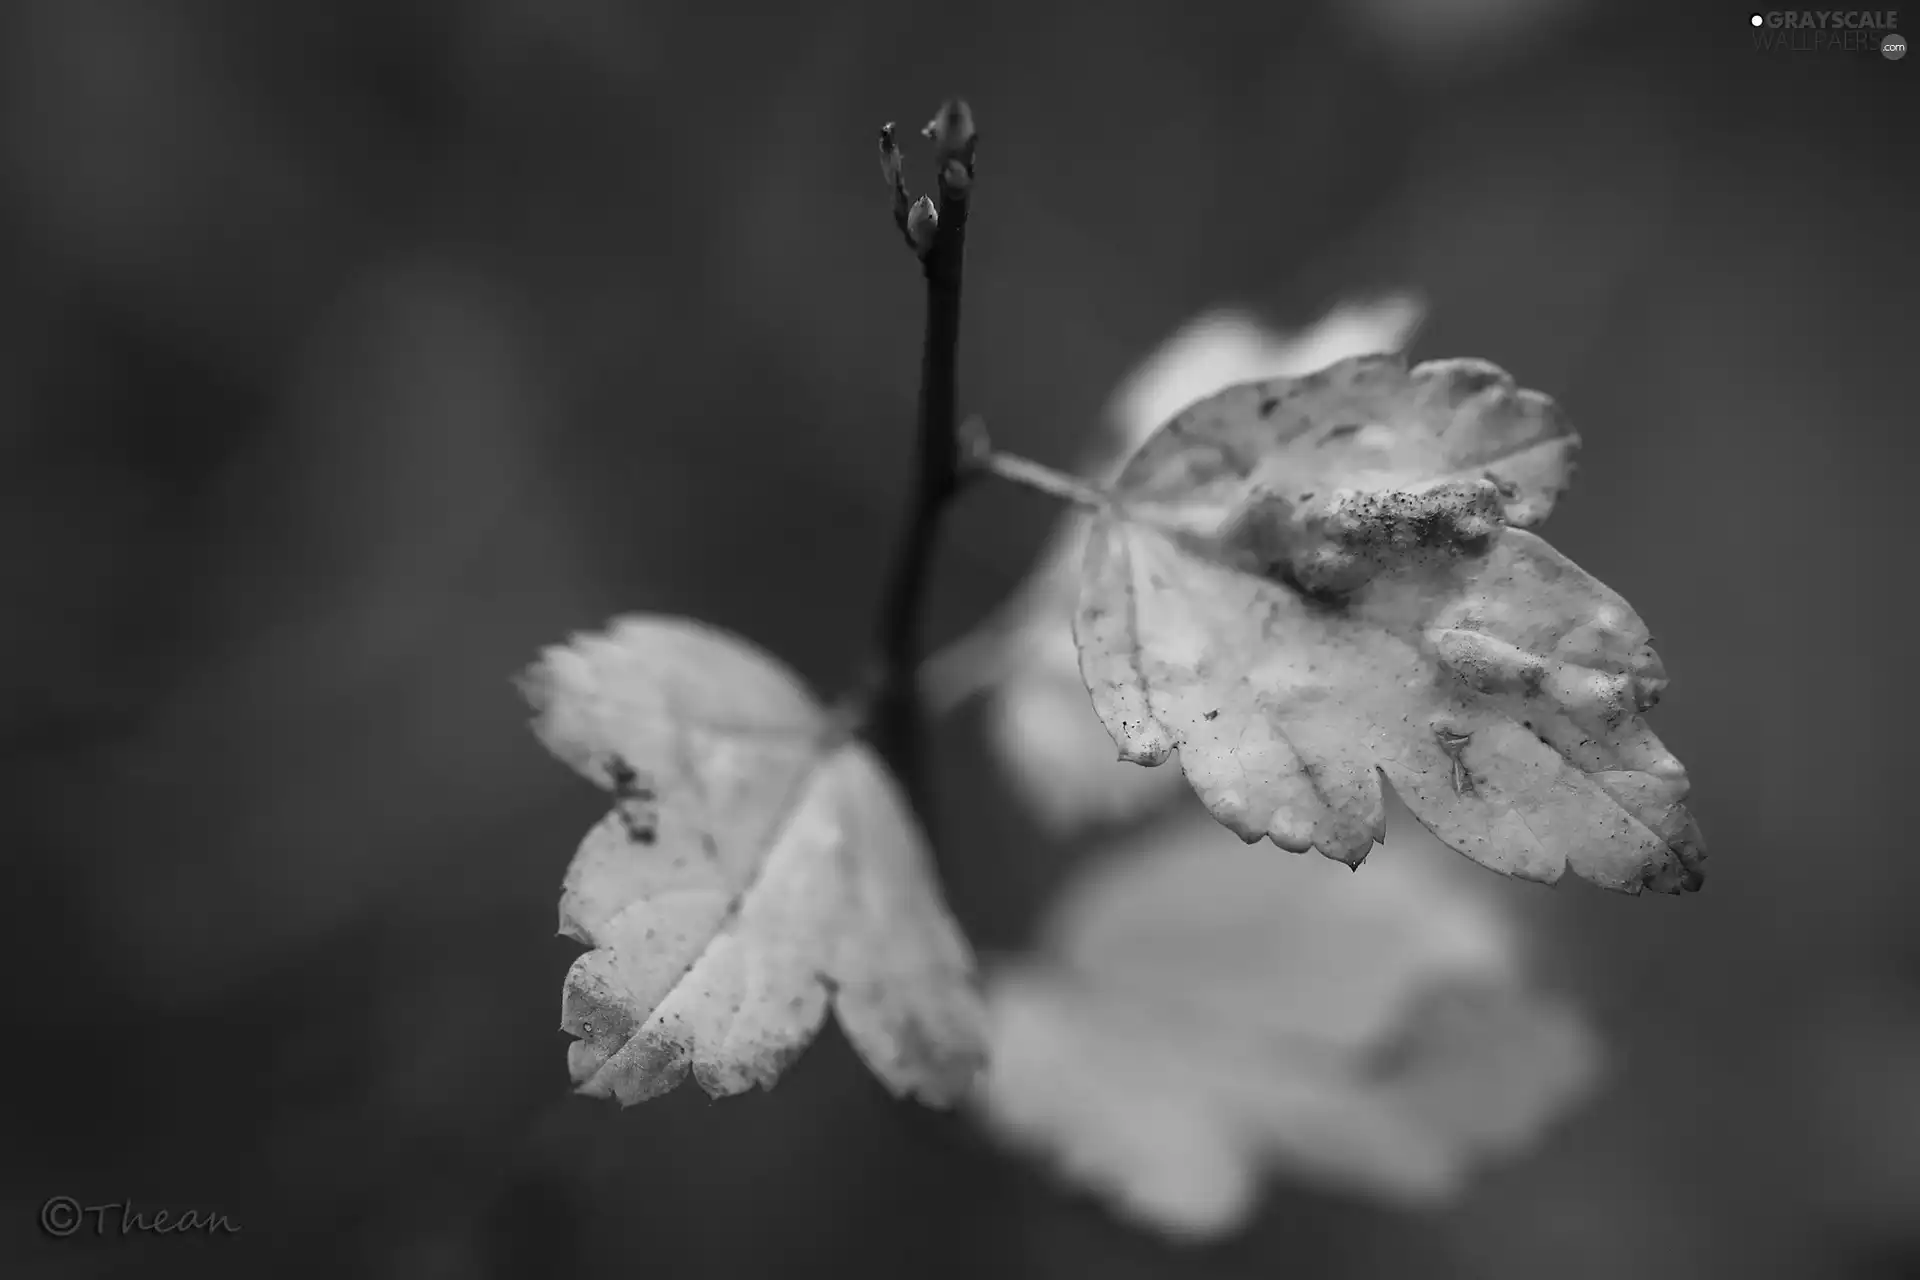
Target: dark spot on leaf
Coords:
[(1458, 774), (627, 782), (1305, 497), (1268, 404), (1340, 431), (708, 846), (634, 797), (1214, 714), (1322, 599), (599, 1020)]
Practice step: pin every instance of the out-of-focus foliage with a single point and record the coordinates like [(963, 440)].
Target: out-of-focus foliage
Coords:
[(1202, 1008)]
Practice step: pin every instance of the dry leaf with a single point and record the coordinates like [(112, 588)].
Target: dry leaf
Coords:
[(1055, 752), (1309, 583), (757, 865), (1201, 1011)]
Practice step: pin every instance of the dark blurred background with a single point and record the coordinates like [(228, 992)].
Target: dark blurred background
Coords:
[(351, 351)]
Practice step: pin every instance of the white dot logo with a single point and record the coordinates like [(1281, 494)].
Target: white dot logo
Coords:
[(1757, 20)]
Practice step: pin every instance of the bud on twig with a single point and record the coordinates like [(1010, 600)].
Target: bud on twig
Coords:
[(953, 138), (952, 134), (974, 445), (893, 173), (891, 162), (922, 221)]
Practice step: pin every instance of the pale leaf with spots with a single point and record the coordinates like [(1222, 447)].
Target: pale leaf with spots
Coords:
[(759, 866), (1052, 747), (1201, 1014), (1307, 585)]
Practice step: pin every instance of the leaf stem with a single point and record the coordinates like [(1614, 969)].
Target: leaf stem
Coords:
[(937, 234), (977, 659), (982, 457)]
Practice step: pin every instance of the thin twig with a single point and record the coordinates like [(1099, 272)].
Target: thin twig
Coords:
[(978, 658), (937, 233)]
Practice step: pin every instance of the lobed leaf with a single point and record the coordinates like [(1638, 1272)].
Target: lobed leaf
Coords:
[(757, 867), (1309, 584)]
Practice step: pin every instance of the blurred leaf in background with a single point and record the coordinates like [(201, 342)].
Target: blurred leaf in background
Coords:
[(1200, 1010)]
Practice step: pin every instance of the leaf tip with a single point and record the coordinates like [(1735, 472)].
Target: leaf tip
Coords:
[(1147, 745), (1351, 856), (1685, 871)]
